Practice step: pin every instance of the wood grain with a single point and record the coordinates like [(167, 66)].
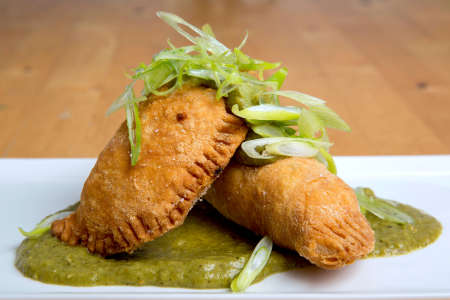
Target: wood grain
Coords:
[(383, 65)]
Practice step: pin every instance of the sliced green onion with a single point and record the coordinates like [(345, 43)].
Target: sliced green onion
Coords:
[(211, 43), (204, 74), (309, 124), (126, 98), (268, 99), (292, 148), (208, 30), (244, 96), (243, 41), (299, 97), (267, 130), (44, 225), (231, 82), (255, 122), (326, 158), (134, 131), (267, 112), (233, 74), (244, 159), (285, 123), (246, 63), (157, 77), (288, 131), (279, 77), (329, 118), (37, 231), (380, 208), (254, 265), (166, 92), (167, 55), (256, 148), (257, 82)]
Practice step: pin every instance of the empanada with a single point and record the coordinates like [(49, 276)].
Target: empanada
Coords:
[(300, 205), (188, 138)]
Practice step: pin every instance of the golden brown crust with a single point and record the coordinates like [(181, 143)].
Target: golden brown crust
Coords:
[(187, 140), (300, 205)]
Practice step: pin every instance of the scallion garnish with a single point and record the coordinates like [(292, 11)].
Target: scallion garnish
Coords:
[(239, 79), (383, 209), (254, 265), (44, 225), (267, 112), (269, 148), (327, 159), (134, 131), (268, 130), (292, 148)]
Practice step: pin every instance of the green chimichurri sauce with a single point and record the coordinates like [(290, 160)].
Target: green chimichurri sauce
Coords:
[(396, 239), (207, 251)]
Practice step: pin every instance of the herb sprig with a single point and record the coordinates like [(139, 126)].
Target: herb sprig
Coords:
[(240, 79)]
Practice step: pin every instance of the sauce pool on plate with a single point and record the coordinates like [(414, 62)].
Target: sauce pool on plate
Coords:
[(207, 251)]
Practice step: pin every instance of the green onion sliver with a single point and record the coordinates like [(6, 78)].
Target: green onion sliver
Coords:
[(267, 130), (304, 99), (382, 209), (267, 112), (279, 77), (254, 265), (329, 118), (175, 21), (257, 148), (237, 77), (328, 159), (134, 131), (309, 124), (126, 98), (44, 225), (292, 148)]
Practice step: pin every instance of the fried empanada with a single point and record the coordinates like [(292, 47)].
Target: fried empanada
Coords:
[(300, 205), (188, 138)]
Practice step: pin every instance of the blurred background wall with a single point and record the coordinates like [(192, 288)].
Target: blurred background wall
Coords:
[(383, 65)]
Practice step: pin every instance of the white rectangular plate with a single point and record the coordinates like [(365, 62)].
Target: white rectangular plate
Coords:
[(33, 188)]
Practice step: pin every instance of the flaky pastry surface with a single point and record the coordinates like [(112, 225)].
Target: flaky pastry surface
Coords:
[(300, 205), (188, 138)]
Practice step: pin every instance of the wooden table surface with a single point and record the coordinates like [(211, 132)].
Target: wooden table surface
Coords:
[(383, 65)]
